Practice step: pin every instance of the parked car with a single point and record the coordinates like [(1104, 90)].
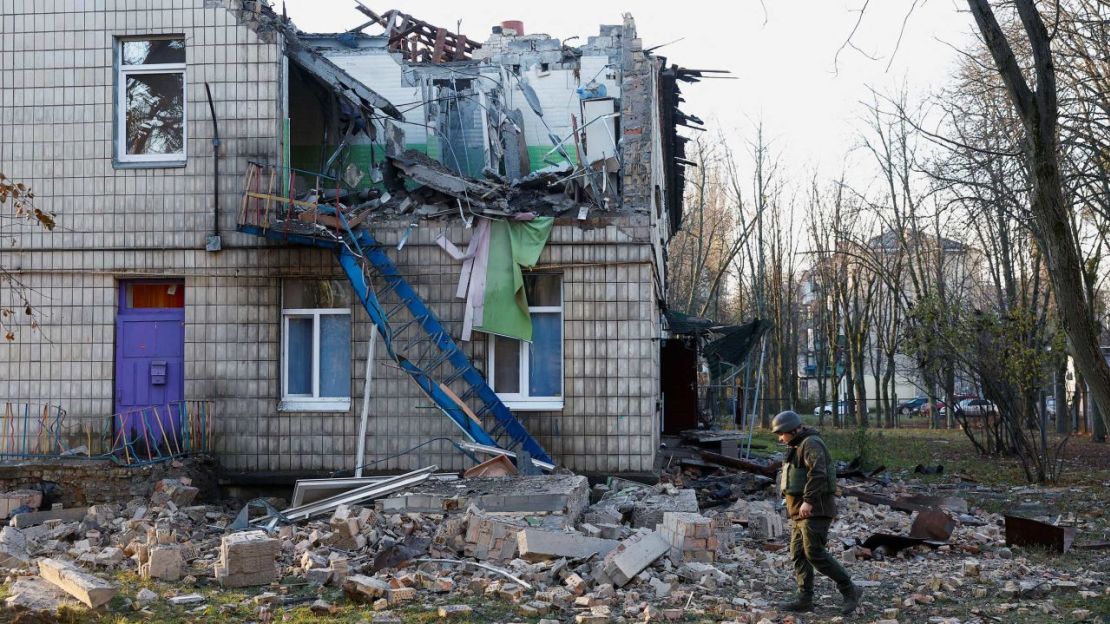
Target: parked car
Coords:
[(939, 405), (975, 407), (841, 408), (917, 406), (912, 406)]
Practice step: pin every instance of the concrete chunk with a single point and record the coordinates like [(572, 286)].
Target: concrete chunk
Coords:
[(649, 511), (24, 520), (537, 545), (13, 549), (455, 611), (247, 559), (85, 587), (35, 594), (175, 491), (633, 555), (366, 586), (187, 599), (13, 557), (164, 562)]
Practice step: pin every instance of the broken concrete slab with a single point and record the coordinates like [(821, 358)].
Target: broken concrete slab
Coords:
[(566, 495), (24, 520), (649, 511), (538, 545), (633, 555), (13, 549), (35, 594), (91, 590)]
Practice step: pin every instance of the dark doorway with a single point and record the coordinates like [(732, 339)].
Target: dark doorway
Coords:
[(679, 370)]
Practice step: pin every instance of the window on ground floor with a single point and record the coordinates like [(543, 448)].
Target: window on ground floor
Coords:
[(529, 375), (316, 346)]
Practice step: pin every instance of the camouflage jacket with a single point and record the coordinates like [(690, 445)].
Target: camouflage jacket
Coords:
[(808, 453)]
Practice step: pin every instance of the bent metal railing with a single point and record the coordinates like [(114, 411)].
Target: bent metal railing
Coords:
[(31, 430), (136, 437), (160, 432)]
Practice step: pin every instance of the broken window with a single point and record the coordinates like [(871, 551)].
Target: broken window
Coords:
[(529, 376), (150, 101), (316, 346)]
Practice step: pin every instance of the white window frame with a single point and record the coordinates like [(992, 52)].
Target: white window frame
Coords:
[(523, 400), (305, 402), (122, 72)]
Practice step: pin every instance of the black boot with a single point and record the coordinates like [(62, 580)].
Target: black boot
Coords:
[(851, 599), (802, 602)]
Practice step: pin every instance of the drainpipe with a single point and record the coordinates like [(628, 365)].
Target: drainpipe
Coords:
[(213, 241)]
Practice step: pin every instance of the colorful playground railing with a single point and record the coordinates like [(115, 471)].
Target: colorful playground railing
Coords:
[(161, 432), (135, 437), (31, 430)]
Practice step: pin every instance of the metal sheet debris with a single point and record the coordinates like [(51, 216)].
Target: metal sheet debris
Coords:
[(364, 493), (498, 466), (311, 490), (933, 524), (493, 450), (1027, 532)]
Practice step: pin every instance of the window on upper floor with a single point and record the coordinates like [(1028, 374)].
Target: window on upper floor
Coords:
[(529, 376), (150, 102), (315, 346)]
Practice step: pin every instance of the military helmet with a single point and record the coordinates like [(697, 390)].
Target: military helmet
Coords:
[(786, 421)]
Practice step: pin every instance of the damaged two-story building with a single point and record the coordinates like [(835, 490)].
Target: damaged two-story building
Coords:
[(242, 207)]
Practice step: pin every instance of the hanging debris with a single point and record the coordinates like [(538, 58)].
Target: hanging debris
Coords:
[(417, 40)]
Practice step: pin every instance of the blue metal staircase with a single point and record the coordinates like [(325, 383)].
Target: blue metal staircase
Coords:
[(429, 355)]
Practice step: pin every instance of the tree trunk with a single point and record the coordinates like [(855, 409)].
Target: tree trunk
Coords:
[(1059, 391), (1039, 113)]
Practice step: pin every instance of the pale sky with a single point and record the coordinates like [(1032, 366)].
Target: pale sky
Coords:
[(781, 51)]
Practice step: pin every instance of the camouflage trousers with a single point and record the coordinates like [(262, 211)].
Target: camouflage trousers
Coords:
[(807, 550)]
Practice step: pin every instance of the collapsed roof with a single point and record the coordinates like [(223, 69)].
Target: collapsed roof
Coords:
[(429, 121)]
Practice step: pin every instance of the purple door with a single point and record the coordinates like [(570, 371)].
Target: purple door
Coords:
[(150, 367)]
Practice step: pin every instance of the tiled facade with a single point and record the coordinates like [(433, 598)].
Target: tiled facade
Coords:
[(56, 127)]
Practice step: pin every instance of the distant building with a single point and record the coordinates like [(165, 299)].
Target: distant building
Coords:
[(820, 344)]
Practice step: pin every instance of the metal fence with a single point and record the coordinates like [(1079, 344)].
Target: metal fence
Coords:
[(160, 432), (135, 437), (31, 430)]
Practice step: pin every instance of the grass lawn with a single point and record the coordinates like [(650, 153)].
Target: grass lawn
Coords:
[(1084, 462)]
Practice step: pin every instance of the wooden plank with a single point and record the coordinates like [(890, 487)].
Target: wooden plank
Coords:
[(874, 499), (437, 47), (85, 587), (768, 470)]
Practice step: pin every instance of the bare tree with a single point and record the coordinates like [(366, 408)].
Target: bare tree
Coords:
[(1038, 108), (21, 201)]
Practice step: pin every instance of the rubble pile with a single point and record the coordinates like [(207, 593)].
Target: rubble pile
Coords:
[(638, 552)]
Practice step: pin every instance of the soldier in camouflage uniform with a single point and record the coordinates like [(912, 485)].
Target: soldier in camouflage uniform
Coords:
[(808, 481)]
